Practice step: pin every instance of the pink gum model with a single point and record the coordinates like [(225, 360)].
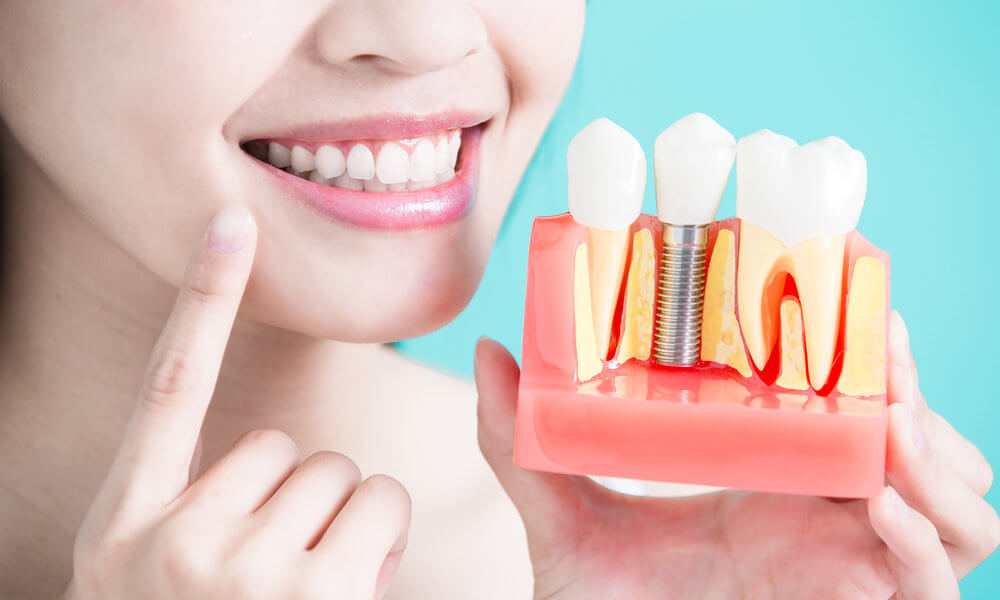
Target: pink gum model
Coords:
[(706, 424)]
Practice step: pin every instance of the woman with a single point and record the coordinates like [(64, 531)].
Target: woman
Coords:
[(129, 125)]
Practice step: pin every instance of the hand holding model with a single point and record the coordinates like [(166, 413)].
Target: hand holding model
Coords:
[(913, 541), (259, 523)]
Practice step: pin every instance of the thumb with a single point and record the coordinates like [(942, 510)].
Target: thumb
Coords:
[(544, 500)]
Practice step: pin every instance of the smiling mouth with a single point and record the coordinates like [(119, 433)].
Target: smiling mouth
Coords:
[(388, 183), (398, 165)]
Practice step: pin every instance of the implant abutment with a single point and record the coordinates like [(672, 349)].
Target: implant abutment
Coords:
[(680, 295)]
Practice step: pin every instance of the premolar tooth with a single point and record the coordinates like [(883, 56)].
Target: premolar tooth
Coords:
[(374, 185), (347, 182), (454, 143), (302, 159), (330, 161), (393, 164), (422, 161), (278, 155), (441, 156), (360, 162), (797, 204)]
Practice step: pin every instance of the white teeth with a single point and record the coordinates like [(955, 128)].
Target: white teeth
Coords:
[(393, 164), (360, 162), (330, 161), (278, 155), (692, 161), (607, 176), (797, 192), (422, 161), (347, 182), (316, 177), (454, 143), (302, 159), (374, 185), (411, 164), (441, 157)]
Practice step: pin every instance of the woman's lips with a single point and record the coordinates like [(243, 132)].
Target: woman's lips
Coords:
[(433, 206)]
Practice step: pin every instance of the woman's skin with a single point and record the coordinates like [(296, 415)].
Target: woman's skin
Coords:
[(124, 126)]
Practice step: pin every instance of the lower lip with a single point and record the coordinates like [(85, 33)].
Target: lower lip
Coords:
[(397, 211)]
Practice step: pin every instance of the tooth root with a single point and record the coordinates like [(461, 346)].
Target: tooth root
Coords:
[(792, 369), (759, 287), (640, 299), (588, 364), (608, 251), (818, 268)]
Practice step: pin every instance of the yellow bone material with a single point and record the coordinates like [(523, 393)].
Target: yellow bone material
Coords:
[(608, 251), (640, 297), (817, 267), (720, 331), (792, 370), (588, 364), (864, 332)]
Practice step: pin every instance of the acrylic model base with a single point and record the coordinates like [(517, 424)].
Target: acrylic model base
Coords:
[(723, 422)]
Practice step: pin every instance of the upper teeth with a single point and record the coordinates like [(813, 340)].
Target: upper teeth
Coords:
[(374, 166), (692, 161), (797, 205), (799, 192)]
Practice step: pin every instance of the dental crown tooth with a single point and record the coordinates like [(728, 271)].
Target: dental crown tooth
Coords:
[(799, 192), (330, 162), (278, 155), (422, 161), (302, 159), (607, 176), (360, 162), (392, 164), (347, 182), (797, 204), (692, 161)]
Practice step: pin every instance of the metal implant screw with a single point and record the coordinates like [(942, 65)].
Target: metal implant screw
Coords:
[(681, 295)]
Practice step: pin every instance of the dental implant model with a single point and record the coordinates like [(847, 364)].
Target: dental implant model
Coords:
[(607, 177), (692, 161)]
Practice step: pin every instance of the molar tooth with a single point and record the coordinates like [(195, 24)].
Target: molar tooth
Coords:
[(422, 167), (360, 162), (302, 159), (330, 161), (393, 164), (347, 182), (454, 143), (441, 156), (278, 155), (374, 185)]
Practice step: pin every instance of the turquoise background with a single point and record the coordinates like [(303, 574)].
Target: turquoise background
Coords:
[(914, 85)]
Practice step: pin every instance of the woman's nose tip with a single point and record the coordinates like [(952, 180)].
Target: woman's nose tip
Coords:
[(406, 36)]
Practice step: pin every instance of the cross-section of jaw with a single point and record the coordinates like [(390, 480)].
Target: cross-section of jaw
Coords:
[(797, 204)]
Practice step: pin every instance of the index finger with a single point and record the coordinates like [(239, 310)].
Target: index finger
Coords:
[(161, 436)]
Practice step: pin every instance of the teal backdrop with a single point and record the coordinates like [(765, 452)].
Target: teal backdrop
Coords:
[(913, 84)]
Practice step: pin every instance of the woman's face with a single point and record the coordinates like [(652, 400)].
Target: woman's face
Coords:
[(147, 116)]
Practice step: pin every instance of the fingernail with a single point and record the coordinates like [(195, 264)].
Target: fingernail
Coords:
[(898, 506), (227, 234), (918, 434), (475, 352)]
